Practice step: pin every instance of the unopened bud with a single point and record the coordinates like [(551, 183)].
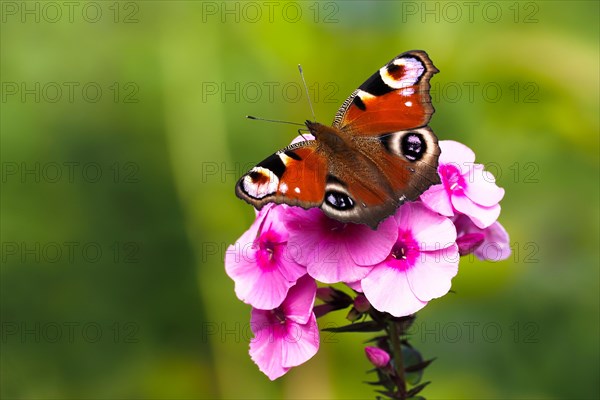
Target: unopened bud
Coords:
[(379, 358), (469, 242), (335, 297), (353, 315), (361, 303), (326, 294)]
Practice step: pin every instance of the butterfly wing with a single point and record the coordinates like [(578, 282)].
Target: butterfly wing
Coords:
[(295, 175), (407, 159), (394, 98)]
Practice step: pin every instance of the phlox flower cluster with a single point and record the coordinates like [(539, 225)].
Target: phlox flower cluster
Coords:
[(409, 260)]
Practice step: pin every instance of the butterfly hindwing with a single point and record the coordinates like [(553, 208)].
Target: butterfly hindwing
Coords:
[(384, 172), (409, 161)]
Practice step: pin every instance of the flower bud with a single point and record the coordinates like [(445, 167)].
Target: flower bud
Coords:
[(379, 358), (361, 303), (322, 309), (333, 296), (326, 294), (469, 242), (353, 315)]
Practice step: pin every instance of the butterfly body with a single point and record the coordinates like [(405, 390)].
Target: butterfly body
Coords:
[(378, 153)]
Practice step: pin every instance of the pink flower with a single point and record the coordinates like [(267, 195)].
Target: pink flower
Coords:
[(421, 265), (378, 357), (288, 335), (303, 138), (494, 244), (334, 251), (260, 263), (466, 187)]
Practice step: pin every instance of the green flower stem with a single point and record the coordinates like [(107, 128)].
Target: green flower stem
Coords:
[(397, 353)]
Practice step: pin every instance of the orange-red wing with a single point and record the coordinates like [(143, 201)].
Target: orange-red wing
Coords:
[(303, 182), (394, 98), (295, 175)]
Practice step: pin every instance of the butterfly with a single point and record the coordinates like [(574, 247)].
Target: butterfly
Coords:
[(378, 153)]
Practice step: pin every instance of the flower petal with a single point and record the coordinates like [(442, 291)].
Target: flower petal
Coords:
[(263, 289), (430, 230), (469, 242), (305, 233), (303, 138), (274, 221), (266, 348), (334, 264), (289, 268), (387, 290), (369, 247), (334, 251), (464, 225), (301, 342), (456, 154), (355, 286), (432, 273), (438, 199), (480, 215), (496, 246), (481, 187), (298, 305)]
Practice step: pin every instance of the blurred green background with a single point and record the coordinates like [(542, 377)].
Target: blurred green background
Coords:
[(123, 136)]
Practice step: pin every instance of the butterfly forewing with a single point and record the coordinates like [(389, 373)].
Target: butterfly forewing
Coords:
[(395, 97), (295, 176)]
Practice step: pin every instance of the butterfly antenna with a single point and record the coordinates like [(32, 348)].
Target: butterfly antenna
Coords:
[(307, 95), (273, 120)]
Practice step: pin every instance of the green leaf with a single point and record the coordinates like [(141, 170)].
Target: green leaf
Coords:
[(417, 389), (419, 366), (386, 380), (410, 358)]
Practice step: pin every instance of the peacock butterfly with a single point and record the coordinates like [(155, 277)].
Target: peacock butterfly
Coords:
[(378, 153)]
